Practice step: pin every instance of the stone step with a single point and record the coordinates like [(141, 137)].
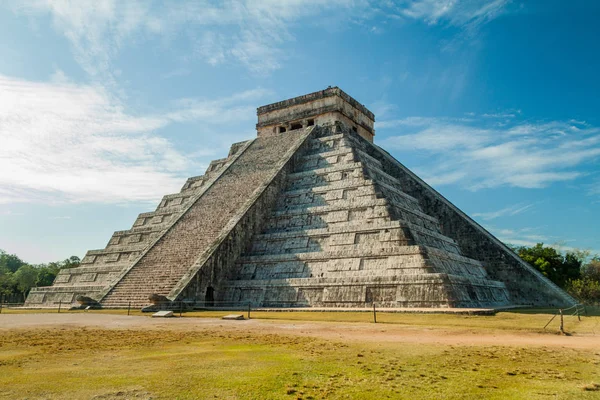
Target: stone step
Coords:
[(348, 228), (268, 276), (137, 230), (326, 159), (338, 152), (327, 170), (363, 156), (410, 235), (303, 241), (341, 205), (370, 252), (132, 283), (194, 182), (327, 143), (332, 254), (334, 268), (127, 247), (355, 183), (398, 278), (295, 220), (302, 245), (163, 279), (440, 262), (330, 198)]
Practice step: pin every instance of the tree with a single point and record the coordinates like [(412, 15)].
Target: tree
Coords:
[(71, 262), (16, 276), (25, 278), (550, 262), (591, 270), (7, 283), (587, 289), (46, 274), (10, 261)]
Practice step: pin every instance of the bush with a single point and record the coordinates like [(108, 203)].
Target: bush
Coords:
[(586, 290)]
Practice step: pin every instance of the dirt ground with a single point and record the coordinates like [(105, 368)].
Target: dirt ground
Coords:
[(352, 332)]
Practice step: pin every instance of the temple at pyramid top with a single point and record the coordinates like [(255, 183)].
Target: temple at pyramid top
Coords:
[(317, 108)]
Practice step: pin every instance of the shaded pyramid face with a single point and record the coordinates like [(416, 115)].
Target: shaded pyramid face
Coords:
[(309, 213), (343, 233)]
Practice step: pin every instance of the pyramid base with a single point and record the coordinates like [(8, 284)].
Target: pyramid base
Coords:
[(416, 291)]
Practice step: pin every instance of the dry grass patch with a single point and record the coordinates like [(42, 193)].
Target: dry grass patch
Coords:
[(78, 363)]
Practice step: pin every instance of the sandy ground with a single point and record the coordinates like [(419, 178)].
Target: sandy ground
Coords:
[(338, 331)]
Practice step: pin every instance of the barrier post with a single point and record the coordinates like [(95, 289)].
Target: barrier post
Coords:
[(59, 305), (562, 323), (374, 314), (248, 310), (128, 308)]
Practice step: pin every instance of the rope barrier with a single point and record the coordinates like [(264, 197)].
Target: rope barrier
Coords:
[(578, 309)]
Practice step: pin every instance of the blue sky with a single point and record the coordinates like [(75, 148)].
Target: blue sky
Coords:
[(105, 106)]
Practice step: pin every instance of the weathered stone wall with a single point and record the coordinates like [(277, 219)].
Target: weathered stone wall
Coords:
[(101, 269), (333, 240), (218, 263), (197, 233), (525, 285), (323, 107), (311, 97)]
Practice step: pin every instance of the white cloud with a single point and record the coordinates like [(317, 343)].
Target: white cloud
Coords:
[(62, 142), (210, 47), (96, 29), (248, 32), (531, 236), (507, 211), (479, 154), (502, 115), (454, 12), (382, 108), (219, 110)]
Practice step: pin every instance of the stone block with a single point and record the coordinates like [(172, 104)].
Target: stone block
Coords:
[(62, 278), (232, 317), (344, 294), (36, 298), (163, 314)]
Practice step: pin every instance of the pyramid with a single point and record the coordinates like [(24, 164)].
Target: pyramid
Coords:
[(309, 213)]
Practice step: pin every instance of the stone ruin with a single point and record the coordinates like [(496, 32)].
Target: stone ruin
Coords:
[(309, 213)]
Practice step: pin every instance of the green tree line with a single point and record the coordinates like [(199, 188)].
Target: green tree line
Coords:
[(18, 277), (577, 271)]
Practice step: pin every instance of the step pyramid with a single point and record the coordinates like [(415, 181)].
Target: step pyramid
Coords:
[(309, 213)]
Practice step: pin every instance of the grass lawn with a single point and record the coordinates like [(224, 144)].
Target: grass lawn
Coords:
[(103, 364), (211, 363)]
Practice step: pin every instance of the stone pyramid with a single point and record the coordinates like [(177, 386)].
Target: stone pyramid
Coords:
[(310, 213)]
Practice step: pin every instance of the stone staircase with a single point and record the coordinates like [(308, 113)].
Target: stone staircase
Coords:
[(196, 232), (101, 269), (343, 233)]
